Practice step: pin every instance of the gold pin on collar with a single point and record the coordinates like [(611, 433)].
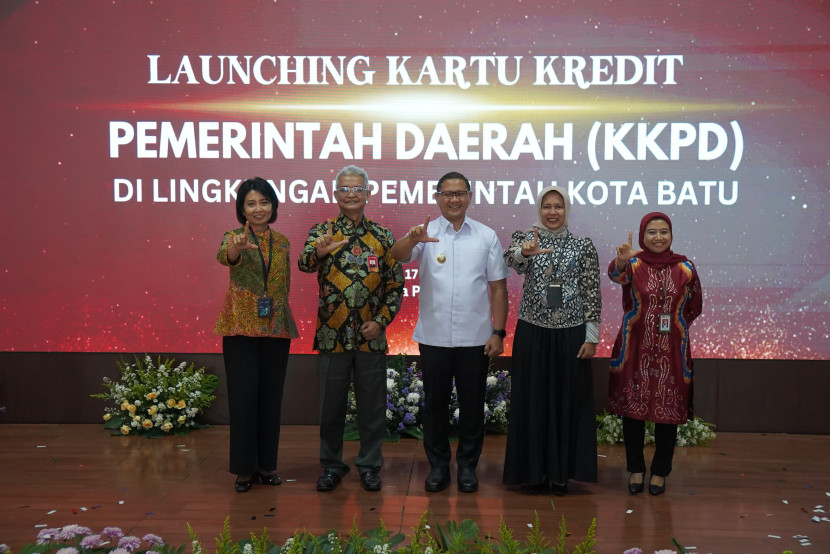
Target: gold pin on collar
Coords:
[(441, 258)]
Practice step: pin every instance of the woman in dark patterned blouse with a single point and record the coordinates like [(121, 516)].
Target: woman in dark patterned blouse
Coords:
[(651, 362), (257, 328), (552, 425)]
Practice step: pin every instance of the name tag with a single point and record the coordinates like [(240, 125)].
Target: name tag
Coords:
[(372, 262), (265, 306), (664, 323)]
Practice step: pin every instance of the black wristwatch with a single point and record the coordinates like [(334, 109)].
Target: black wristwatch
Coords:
[(501, 333)]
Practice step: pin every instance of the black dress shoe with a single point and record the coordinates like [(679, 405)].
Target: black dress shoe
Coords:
[(437, 480), (328, 481), (269, 479), (242, 485), (370, 480), (467, 480), (635, 488), (655, 490)]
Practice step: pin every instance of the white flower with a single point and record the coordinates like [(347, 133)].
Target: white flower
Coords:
[(388, 414), (390, 384), (456, 413), (413, 397), (248, 549), (491, 381)]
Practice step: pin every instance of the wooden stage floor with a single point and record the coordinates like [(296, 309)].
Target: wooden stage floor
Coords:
[(738, 494)]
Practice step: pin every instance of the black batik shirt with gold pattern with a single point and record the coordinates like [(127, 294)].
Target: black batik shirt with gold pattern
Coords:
[(350, 293)]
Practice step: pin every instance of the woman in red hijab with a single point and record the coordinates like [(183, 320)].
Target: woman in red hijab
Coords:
[(651, 362)]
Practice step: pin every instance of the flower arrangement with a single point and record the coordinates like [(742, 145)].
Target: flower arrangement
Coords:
[(693, 432), (405, 400), (451, 538), (75, 539), (157, 399)]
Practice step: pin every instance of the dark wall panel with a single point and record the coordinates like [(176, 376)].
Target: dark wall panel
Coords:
[(772, 396)]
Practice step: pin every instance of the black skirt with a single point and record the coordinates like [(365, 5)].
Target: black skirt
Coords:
[(552, 433)]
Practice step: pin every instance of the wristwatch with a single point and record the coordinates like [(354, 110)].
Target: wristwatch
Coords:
[(501, 333)]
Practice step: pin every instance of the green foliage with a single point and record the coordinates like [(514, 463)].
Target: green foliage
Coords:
[(509, 545), (224, 543), (536, 539), (450, 538)]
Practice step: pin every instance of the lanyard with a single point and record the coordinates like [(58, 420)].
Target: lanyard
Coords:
[(666, 286), (556, 265), (266, 269)]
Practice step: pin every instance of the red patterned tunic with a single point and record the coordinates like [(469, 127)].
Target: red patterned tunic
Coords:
[(652, 376)]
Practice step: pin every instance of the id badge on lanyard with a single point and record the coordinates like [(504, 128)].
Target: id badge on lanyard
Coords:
[(554, 296)]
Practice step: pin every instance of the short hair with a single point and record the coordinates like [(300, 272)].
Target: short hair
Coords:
[(261, 186), (453, 175), (353, 170)]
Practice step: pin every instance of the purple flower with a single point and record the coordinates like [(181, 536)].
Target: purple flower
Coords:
[(634, 550), (409, 419), (91, 541), (46, 535), (72, 531), (130, 543), (119, 551), (67, 550), (112, 532), (153, 540)]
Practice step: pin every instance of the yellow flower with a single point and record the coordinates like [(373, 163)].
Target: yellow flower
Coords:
[(153, 410), (181, 405), (131, 408), (151, 395), (125, 405), (181, 419), (107, 417), (171, 403), (147, 424), (136, 418), (125, 430), (167, 426)]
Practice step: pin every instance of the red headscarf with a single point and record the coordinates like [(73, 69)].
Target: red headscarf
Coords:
[(660, 260)]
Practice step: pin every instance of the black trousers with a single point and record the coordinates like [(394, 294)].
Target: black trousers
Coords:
[(634, 435), (255, 369), (336, 371), (468, 365)]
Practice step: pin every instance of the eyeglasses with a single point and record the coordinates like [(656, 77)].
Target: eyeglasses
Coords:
[(454, 194), (347, 190)]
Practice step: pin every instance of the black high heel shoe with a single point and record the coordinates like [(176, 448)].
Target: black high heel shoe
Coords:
[(243, 485), (635, 488), (655, 490), (268, 478)]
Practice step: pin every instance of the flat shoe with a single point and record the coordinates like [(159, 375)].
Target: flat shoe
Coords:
[(269, 479), (242, 485)]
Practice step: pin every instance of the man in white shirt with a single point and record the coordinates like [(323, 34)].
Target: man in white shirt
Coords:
[(461, 320)]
